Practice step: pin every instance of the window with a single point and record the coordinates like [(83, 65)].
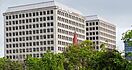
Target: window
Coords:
[(44, 42), (41, 13), (97, 33), (52, 42), (97, 38), (90, 38), (16, 22), (51, 11), (13, 16), (93, 33), (86, 24), (41, 25), (23, 21), (96, 28), (93, 38), (37, 19), (41, 31), (86, 29), (6, 28), (93, 28), (34, 26), (87, 38), (51, 23), (33, 13), (48, 18), (52, 36), (44, 36), (90, 24), (37, 13), (23, 15), (48, 24), (48, 48), (40, 18), (51, 29), (93, 23), (6, 17), (44, 18), (37, 25), (48, 12), (33, 19), (26, 14), (52, 48), (96, 23), (9, 17), (87, 34), (44, 24), (48, 36), (48, 30), (51, 17), (30, 14), (26, 20), (44, 12)]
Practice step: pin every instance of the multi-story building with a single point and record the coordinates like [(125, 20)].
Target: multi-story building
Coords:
[(34, 28), (128, 51), (100, 31)]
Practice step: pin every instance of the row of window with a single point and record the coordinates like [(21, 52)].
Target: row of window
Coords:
[(24, 56), (24, 15), (70, 16), (70, 22), (63, 43), (70, 27), (92, 33), (27, 44), (29, 38), (61, 48), (64, 38), (92, 38), (107, 35), (70, 33), (108, 40), (30, 32), (107, 30), (37, 49), (92, 23), (29, 20), (108, 26), (21, 27), (92, 28)]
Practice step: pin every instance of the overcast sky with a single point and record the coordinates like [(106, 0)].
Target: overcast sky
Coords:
[(118, 12)]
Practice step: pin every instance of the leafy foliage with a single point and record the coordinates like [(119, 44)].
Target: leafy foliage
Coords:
[(6, 64), (127, 37), (80, 57)]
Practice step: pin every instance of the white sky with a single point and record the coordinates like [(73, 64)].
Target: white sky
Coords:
[(118, 12)]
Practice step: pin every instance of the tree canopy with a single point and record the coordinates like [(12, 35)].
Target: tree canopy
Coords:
[(80, 57)]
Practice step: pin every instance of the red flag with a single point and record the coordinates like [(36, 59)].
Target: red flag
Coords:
[(75, 41)]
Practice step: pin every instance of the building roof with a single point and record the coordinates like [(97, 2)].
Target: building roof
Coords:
[(42, 5), (96, 17)]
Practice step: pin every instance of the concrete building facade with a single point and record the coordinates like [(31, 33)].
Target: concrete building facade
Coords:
[(100, 31), (35, 28)]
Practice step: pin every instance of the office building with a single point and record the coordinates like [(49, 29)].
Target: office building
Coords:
[(35, 28), (100, 31)]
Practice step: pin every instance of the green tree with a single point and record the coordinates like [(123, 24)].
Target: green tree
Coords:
[(79, 57), (127, 37), (49, 61), (6, 64)]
